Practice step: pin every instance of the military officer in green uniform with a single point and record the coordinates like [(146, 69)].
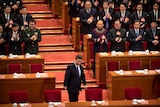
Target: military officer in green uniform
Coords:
[(32, 36)]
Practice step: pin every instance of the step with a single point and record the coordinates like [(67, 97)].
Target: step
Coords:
[(42, 16), (55, 49), (50, 28), (56, 45), (32, 1), (51, 32), (58, 63), (40, 12)]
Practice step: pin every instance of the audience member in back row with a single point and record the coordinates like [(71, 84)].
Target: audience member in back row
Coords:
[(32, 36), (117, 37), (106, 14), (140, 15), (3, 41), (136, 36), (124, 16), (15, 40), (153, 37), (7, 19), (88, 17), (99, 37), (23, 18)]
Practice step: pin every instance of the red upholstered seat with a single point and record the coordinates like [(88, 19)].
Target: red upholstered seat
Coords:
[(133, 65), (127, 44), (52, 95), (18, 96), (154, 64), (133, 93), (34, 68), (158, 91), (144, 44), (112, 65), (93, 94), (14, 68)]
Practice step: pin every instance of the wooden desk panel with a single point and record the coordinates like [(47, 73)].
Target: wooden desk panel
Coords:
[(87, 39), (115, 103), (76, 33), (101, 64), (33, 85), (65, 17), (117, 83), (19, 60), (55, 6)]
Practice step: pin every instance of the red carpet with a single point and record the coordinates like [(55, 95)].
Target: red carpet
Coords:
[(55, 39), (49, 23), (35, 7), (59, 57)]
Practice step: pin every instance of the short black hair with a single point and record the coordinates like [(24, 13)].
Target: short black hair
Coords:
[(32, 20), (136, 21), (78, 57), (15, 25), (24, 7), (7, 6)]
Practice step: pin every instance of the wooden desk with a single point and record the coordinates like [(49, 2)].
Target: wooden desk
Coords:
[(33, 85), (55, 6), (19, 60), (115, 103), (102, 58), (87, 39), (117, 83), (65, 17), (76, 32)]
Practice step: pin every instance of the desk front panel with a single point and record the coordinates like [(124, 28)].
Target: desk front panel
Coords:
[(20, 60), (30, 83)]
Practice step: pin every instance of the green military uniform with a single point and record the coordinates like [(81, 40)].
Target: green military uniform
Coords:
[(30, 45)]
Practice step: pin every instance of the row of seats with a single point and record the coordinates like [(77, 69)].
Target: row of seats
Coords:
[(132, 65), (55, 95), (17, 68)]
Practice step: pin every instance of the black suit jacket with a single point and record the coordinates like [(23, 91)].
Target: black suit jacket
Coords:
[(2, 46), (15, 45), (85, 27), (152, 18), (3, 21), (115, 45), (72, 79), (127, 15), (19, 19), (150, 38), (135, 45), (102, 14)]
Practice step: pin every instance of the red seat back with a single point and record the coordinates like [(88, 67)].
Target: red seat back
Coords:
[(14, 68), (18, 96), (133, 93), (154, 64), (52, 95), (133, 65), (34, 68), (112, 65), (93, 94)]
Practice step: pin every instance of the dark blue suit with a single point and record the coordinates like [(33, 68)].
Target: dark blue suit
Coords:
[(2, 46), (135, 45), (73, 81), (85, 27)]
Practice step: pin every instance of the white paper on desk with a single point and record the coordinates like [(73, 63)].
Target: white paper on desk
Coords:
[(157, 70), (56, 103), (140, 71), (100, 102), (2, 56), (41, 75), (89, 35), (103, 53), (154, 52), (23, 104), (139, 52)]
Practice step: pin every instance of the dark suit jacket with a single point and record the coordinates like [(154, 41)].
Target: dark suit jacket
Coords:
[(114, 45), (128, 15), (19, 19), (15, 46), (135, 45), (152, 18), (110, 21), (2, 46), (85, 27), (72, 79), (150, 38), (3, 21), (134, 16)]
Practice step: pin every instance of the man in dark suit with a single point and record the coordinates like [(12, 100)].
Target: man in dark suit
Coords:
[(106, 14), (135, 37), (117, 37), (73, 77), (3, 41), (7, 19), (153, 37), (124, 16), (23, 18), (32, 36), (140, 15), (88, 17), (154, 15), (15, 40)]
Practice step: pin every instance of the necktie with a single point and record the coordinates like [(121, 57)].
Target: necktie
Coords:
[(24, 18), (78, 70), (154, 32), (137, 33), (107, 24), (155, 15), (7, 17), (139, 15)]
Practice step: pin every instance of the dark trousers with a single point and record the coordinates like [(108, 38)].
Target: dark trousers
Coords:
[(73, 96)]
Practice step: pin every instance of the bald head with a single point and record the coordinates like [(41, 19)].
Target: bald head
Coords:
[(100, 24)]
